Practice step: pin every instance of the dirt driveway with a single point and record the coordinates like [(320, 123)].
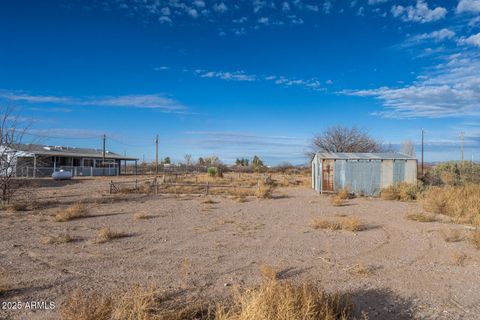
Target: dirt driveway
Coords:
[(395, 269)]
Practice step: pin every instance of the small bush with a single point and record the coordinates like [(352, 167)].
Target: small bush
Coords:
[(4, 286), (336, 201), (106, 234), (264, 191), (349, 223), (460, 202), (452, 235), (140, 216), (59, 239), (420, 217), (212, 171), (458, 258), (476, 238), (344, 194), (75, 211), (402, 191)]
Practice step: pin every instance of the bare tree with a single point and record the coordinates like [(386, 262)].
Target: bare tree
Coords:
[(344, 139), (188, 160), (408, 148), (11, 136)]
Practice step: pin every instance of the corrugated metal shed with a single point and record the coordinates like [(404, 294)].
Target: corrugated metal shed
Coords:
[(361, 173)]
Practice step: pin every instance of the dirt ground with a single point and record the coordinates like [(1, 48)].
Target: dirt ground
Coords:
[(395, 269)]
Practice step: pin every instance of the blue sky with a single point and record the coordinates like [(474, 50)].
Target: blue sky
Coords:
[(238, 78)]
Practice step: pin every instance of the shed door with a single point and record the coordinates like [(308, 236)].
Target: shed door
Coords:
[(327, 175)]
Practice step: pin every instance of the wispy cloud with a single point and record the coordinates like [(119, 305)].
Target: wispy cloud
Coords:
[(147, 101), (472, 6), (312, 83), (418, 13), (473, 40), (451, 89)]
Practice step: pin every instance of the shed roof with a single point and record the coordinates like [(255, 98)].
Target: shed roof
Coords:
[(364, 156), (60, 151)]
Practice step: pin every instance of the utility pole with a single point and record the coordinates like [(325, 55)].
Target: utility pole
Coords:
[(156, 156), (423, 132), (462, 139), (103, 154)]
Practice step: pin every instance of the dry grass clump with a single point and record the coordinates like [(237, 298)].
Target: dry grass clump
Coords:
[(420, 217), (362, 269), (18, 206), (106, 234), (208, 200), (75, 211), (275, 300), (344, 194), (460, 202), (264, 191), (452, 235), (476, 238), (336, 201), (269, 273), (458, 258), (401, 191), (57, 239), (140, 215), (272, 300), (349, 223), (4, 286)]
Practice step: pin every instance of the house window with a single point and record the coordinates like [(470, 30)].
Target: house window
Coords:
[(88, 162)]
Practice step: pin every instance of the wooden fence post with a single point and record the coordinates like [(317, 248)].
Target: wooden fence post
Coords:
[(111, 186), (206, 188), (136, 184), (156, 185)]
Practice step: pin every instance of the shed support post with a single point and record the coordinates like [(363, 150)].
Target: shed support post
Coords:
[(34, 166)]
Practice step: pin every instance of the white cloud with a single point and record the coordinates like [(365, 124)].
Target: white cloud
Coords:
[(468, 6), (165, 11), (327, 7), (473, 40), (148, 101), (199, 3), (285, 6), (374, 2), (192, 12), (420, 13), (452, 89), (164, 19), (229, 76), (263, 20), (220, 7), (437, 36)]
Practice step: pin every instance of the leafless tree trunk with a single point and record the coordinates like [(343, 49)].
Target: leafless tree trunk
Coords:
[(11, 136)]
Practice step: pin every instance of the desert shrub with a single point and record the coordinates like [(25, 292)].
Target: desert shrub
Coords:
[(402, 191), (75, 211), (476, 238), (344, 194), (458, 258), (57, 239), (452, 235), (453, 173), (420, 217), (140, 215), (349, 223), (212, 171), (336, 201), (264, 190), (272, 300), (107, 234), (4, 286), (460, 202)]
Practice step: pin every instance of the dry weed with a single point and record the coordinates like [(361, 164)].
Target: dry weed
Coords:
[(75, 211), (140, 216), (264, 191), (362, 269), (476, 238), (4, 286), (268, 272), (452, 235), (460, 202), (401, 191), (420, 217), (344, 194), (349, 223), (107, 234), (208, 200), (458, 258), (336, 201), (58, 239)]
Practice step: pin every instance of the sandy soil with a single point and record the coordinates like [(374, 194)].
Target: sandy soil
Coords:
[(202, 249)]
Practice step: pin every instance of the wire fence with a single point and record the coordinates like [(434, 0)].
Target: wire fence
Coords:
[(38, 172)]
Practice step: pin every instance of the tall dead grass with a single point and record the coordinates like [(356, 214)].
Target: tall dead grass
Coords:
[(476, 238), (462, 203), (264, 190), (402, 191), (271, 300), (106, 234), (75, 211), (349, 223)]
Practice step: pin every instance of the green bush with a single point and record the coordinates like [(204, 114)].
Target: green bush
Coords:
[(212, 171), (453, 173)]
